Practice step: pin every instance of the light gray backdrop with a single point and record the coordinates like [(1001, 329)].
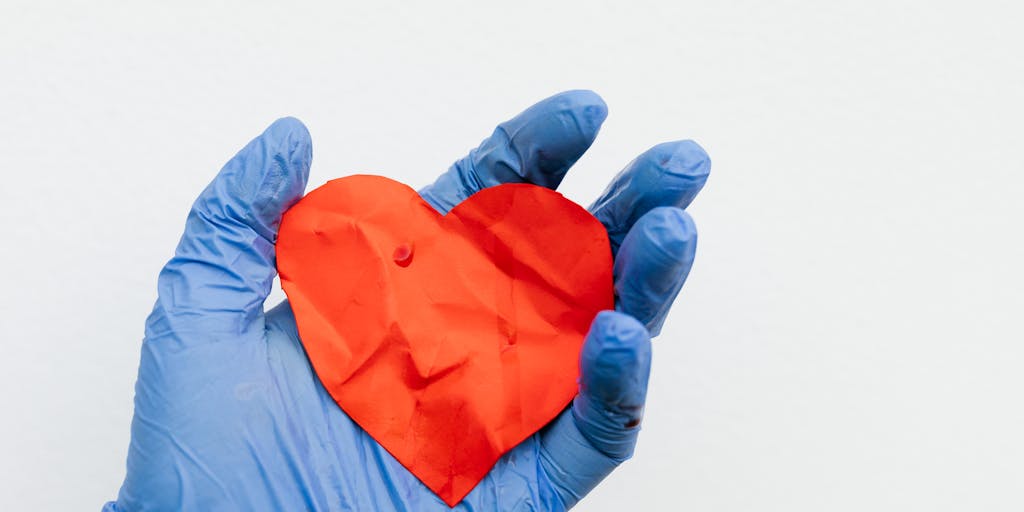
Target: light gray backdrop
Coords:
[(850, 338)]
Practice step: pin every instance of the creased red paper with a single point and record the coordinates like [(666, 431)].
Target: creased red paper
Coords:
[(449, 339)]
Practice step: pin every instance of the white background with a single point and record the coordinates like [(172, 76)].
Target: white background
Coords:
[(850, 337)]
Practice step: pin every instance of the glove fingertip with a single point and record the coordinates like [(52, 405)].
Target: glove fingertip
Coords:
[(589, 108), (666, 234), (653, 263), (275, 170), (613, 330), (615, 361), (296, 142), (688, 157)]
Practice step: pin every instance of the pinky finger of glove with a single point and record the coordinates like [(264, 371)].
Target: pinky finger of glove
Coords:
[(599, 431)]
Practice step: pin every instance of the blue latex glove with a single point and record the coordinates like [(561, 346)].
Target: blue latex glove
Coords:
[(230, 416)]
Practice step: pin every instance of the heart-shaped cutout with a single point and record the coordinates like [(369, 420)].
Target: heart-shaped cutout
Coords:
[(449, 339)]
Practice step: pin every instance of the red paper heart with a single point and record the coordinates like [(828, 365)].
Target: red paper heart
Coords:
[(449, 339)]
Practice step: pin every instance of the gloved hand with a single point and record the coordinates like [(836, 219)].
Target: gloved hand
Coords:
[(230, 416)]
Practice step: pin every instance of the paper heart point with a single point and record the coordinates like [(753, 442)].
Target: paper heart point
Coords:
[(448, 338)]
